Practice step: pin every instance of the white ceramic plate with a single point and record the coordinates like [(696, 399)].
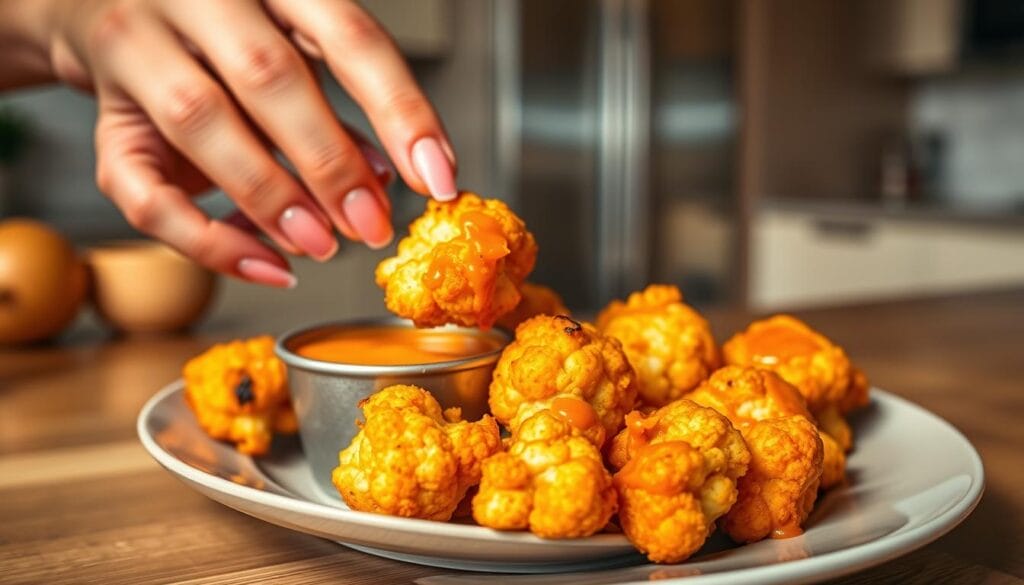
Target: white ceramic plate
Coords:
[(913, 477)]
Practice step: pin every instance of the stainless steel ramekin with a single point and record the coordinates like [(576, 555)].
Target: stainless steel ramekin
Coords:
[(326, 395)]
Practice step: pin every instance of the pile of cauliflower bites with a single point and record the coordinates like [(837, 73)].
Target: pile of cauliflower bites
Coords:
[(639, 423), (585, 452)]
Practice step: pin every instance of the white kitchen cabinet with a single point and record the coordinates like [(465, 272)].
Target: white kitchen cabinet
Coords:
[(805, 258)]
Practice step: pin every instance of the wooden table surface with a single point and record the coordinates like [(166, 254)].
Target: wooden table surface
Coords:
[(80, 501)]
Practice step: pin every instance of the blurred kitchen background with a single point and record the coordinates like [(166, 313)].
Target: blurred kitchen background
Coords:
[(767, 153)]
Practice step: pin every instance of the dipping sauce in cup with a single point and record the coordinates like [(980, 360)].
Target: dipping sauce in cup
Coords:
[(332, 367), (396, 346)]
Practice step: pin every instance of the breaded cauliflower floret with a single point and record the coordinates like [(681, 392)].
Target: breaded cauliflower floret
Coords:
[(463, 262), (669, 344), (747, 395), (410, 459), (661, 501), (551, 481), (819, 369), (778, 492), (664, 493), (556, 357), (239, 393), (537, 300)]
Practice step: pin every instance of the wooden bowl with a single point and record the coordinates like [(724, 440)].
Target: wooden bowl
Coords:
[(140, 286)]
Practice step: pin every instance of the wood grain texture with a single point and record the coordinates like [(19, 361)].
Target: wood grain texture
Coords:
[(80, 501)]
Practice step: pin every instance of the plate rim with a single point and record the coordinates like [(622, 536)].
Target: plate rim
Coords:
[(812, 568), (419, 526)]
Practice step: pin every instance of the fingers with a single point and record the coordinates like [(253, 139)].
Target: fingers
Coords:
[(195, 114), (366, 62), (272, 83), (131, 175)]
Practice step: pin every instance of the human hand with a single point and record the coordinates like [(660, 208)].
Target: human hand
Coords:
[(194, 93)]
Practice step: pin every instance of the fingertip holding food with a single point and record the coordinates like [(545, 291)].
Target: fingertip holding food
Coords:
[(368, 217), (307, 233), (263, 272), (434, 168)]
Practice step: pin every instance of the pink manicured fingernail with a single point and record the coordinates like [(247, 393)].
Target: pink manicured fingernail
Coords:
[(308, 234), (434, 168), (264, 272), (365, 214), (379, 164)]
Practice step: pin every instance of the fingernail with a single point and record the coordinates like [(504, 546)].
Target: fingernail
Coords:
[(308, 234), (380, 166), (434, 168), (366, 215), (264, 272)]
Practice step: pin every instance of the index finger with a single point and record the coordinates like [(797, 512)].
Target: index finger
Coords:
[(365, 60)]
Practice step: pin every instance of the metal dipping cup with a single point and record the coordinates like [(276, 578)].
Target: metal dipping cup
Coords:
[(326, 395)]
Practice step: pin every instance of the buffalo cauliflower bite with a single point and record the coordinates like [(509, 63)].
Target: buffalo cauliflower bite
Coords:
[(679, 468), (239, 393), (537, 300), (463, 262), (554, 360), (778, 492), (661, 501), (747, 395), (551, 481), (819, 369), (669, 344), (410, 458)]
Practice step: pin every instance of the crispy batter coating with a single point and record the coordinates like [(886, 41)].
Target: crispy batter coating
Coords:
[(537, 300), (463, 262), (819, 369), (556, 357), (410, 459), (669, 344), (778, 492), (239, 393), (679, 471), (748, 394), (551, 481)]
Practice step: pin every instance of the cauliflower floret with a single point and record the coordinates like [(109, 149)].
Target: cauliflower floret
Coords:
[(679, 468), (660, 501), (239, 393), (819, 369), (463, 262), (551, 481), (669, 344), (556, 357), (747, 395), (408, 460), (778, 492), (537, 300)]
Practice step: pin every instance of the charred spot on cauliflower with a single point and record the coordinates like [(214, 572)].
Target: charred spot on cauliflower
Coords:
[(239, 393)]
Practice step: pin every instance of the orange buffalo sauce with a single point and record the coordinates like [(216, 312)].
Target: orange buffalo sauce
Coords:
[(575, 411), (634, 476), (776, 342), (787, 531), (396, 346), (786, 397), (485, 237)]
